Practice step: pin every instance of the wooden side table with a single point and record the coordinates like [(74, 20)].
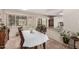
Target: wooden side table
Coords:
[(75, 39), (2, 39)]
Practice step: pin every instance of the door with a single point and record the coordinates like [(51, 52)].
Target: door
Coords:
[(51, 22)]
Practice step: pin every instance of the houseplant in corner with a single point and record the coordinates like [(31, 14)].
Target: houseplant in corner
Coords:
[(66, 37)]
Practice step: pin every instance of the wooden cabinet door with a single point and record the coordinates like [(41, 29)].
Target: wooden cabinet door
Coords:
[(2, 39)]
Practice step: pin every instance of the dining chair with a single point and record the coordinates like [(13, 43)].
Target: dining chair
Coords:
[(38, 28), (42, 29), (22, 38), (22, 41), (8, 33)]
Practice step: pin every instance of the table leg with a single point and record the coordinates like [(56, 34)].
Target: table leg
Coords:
[(44, 45), (74, 44)]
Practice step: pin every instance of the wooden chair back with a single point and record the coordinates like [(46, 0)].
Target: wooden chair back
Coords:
[(22, 38)]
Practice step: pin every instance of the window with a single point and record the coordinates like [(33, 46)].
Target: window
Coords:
[(11, 20), (17, 20), (21, 20), (40, 21)]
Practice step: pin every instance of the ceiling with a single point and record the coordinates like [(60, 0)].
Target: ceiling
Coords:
[(47, 12), (50, 12)]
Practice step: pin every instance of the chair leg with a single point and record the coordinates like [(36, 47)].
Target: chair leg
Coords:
[(44, 45)]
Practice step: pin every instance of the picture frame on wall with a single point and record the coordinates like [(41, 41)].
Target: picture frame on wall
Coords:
[(61, 23)]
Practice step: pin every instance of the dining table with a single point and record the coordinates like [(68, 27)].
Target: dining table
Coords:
[(34, 38)]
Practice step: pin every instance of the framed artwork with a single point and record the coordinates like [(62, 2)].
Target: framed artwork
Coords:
[(61, 23)]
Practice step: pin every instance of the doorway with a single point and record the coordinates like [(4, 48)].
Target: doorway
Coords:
[(51, 22)]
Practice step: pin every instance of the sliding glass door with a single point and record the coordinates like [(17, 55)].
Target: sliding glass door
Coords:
[(14, 20)]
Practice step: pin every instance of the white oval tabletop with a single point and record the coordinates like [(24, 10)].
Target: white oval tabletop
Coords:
[(34, 39)]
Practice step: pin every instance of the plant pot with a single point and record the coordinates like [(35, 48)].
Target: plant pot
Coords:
[(65, 40)]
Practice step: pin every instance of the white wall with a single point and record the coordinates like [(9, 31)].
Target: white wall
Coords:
[(71, 20)]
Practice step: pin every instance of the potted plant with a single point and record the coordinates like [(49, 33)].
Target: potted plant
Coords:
[(65, 37), (77, 34)]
